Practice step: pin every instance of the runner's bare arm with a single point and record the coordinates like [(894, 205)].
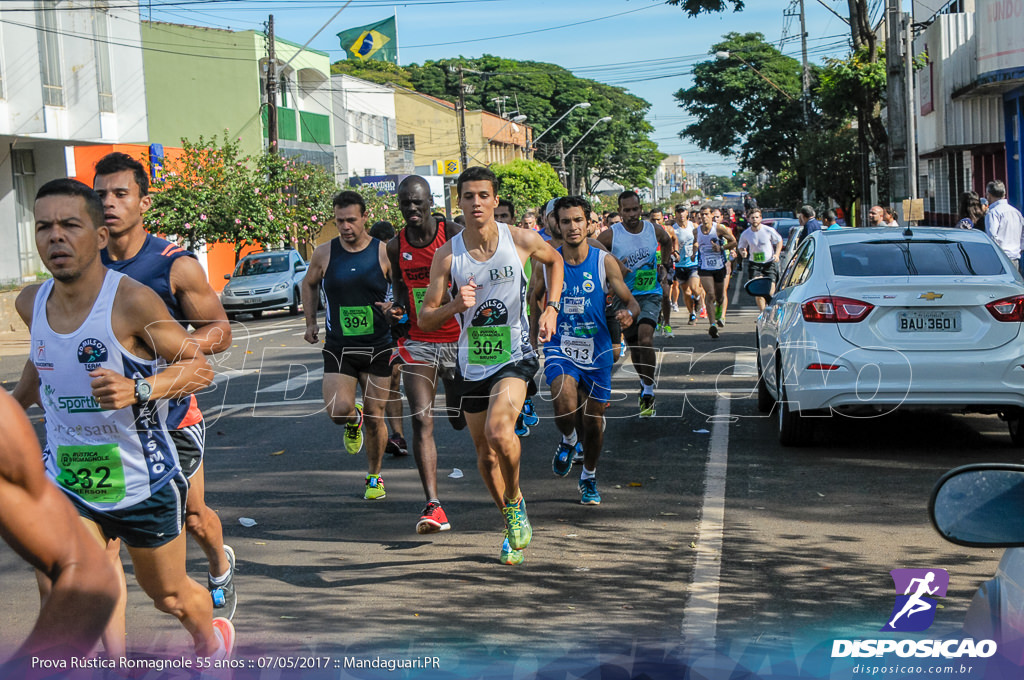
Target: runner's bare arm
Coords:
[(141, 323), (726, 234), (778, 248), (399, 291), (540, 251), (311, 289), (433, 314), (200, 305), (41, 525), (667, 244), (605, 239), (618, 286), (26, 392)]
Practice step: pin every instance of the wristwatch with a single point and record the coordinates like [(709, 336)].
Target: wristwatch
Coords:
[(142, 390), (556, 304)]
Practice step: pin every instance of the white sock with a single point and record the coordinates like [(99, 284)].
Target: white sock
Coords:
[(220, 580), (588, 474), (569, 439)]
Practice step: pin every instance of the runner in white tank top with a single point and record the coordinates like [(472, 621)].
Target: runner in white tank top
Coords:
[(100, 341), (485, 262)]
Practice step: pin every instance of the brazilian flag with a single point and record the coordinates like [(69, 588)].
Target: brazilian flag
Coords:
[(377, 41)]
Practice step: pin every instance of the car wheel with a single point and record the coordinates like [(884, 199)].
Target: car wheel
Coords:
[(293, 308), (232, 316), (257, 315), (794, 428), (765, 401), (1015, 423)]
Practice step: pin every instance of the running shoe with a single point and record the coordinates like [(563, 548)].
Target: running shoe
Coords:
[(223, 595), (521, 429), (704, 312), (530, 417), (588, 492), (713, 331), (517, 524), (646, 403), (675, 306), (666, 330), (374, 488), (225, 632), (720, 322), (577, 456), (693, 320), (657, 329), (354, 433), (561, 464), (510, 556), (432, 520), (396, 445)]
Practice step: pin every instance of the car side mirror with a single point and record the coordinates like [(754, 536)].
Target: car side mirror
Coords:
[(980, 505), (301, 267), (227, 277), (760, 287)]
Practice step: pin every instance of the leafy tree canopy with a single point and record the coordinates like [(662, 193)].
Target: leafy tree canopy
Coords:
[(695, 7), (527, 183), (381, 72)]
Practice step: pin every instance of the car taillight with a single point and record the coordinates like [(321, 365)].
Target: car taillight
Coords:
[(835, 309), (1007, 309)]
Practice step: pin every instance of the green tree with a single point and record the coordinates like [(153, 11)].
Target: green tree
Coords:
[(527, 183), (382, 72), (619, 150), (695, 7), (747, 105), (214, 194)]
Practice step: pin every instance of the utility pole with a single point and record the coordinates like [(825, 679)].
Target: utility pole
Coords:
[(806, 93), (271, 89), (911, 109), (463, 150), (562, 174), (897, 103)]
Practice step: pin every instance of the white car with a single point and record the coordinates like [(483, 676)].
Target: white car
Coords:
[(869, 320)]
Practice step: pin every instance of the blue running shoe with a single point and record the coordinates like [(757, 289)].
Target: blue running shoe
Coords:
[(588, 492), (521, 429), (577, 457), (561, 464), (530, 417)]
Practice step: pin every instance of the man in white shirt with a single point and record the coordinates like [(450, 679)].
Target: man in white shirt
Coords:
[(761, 247), (1003, 222)]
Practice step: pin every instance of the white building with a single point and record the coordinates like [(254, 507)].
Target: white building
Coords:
[(670, 177), (365, 129), (70, 74)]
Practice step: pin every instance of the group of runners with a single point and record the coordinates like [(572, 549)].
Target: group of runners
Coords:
[(120, 333)]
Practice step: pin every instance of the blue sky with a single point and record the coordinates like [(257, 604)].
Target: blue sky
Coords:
[(649, 48)]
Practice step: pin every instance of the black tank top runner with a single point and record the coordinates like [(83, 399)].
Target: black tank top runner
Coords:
[(352, 283)]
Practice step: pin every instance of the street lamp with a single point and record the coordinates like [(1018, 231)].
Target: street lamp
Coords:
[(568, 153), (581, 105)]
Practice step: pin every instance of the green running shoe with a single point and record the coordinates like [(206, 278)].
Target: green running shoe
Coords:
[(510, 556), (517, 524), (354, 433), (646, 404), (374, 488)]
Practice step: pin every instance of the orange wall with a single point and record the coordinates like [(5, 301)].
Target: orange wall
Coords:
[(220, 256)]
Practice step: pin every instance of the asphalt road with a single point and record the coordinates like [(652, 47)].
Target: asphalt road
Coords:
[(709, 531)]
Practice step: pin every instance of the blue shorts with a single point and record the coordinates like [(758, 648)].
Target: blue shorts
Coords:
[(596, 381), (149, 524)]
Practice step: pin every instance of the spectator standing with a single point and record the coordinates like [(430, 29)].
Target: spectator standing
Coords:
[(1003, 222)]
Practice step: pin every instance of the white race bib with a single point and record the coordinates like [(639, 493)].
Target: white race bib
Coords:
[(578, 350), (709, 259)]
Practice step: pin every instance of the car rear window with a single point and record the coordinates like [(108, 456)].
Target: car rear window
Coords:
[(915, 258)]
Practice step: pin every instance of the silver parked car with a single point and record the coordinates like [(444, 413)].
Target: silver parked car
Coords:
[(264, 281)]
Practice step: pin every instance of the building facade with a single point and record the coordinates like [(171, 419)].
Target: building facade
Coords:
[(365, 130), (71, 74), (968, 102)]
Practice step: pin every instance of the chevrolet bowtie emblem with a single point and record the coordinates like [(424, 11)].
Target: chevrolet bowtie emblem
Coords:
[(930, 296)]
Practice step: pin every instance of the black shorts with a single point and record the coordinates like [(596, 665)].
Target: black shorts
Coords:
[(684, 274), (190, 442), (356, 360), (759, 269), (154, 522), (476, 394), (718, 275)]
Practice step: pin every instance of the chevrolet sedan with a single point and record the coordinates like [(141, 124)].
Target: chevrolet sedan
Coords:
[(869, 320)]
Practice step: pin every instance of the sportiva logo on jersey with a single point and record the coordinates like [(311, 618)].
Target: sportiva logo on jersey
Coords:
[(86, 404), (915, 607), (92, 353), (491, 313)]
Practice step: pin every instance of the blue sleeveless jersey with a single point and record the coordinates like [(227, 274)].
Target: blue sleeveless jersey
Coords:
[(152, 266), (581, 333)]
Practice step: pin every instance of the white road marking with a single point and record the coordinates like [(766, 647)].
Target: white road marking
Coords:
[(700, 615), (297, 380)]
